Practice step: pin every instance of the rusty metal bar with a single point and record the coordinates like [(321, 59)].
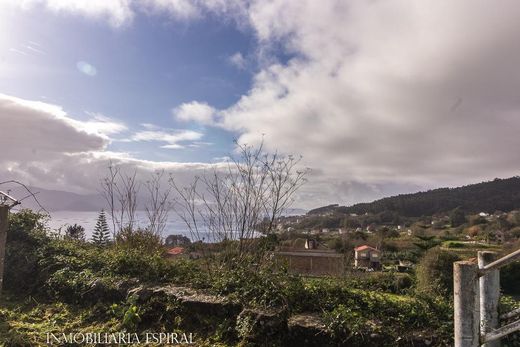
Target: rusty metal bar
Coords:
[(510, 314), (511, 257), (501, 332)]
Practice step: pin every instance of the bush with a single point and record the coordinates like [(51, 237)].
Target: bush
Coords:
[(454, 244), (134, 263), (258, 286), (139, 239), (510, 279), (389, 282), (26, 238), (435, 272)]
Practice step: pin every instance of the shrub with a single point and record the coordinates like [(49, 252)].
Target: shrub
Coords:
[(435, 272), (454, 244), (510, 278), (134, 263), (139, 239), (75, 232), (26, 238), (260, 286)]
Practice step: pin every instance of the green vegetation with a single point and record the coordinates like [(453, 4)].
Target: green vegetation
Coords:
[(101, 235), (79, 286), (499, 194)]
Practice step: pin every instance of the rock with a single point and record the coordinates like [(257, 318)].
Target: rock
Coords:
[(142, 293), (199, 302), (308, 330), (100, 290), (261, 327)]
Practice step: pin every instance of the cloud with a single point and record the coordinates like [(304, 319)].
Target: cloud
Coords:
[(86, 68), (368, 95), (381, 94), (180, 9), (103, 125), (172, 138), (238, 60), (45, 147), (116, 12), (120, 13), (195, 111), (32, 129)]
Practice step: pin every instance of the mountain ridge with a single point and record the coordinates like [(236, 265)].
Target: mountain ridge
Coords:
[(487, 196)]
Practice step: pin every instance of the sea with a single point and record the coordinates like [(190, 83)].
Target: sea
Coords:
[(59, 220)]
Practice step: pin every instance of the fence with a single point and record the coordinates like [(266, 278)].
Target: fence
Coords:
[(477, 293)]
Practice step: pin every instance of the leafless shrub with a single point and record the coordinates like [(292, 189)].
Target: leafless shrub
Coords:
[(234, 203), (159, 204), (121, 192)]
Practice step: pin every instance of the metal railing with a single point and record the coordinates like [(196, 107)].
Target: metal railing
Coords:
[(477, 293)]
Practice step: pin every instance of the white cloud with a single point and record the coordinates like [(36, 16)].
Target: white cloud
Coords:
[(199, 112), (172, 138), (116, 12), (388, 94), (86, 68), (103, 125), (369, 95), (180, 9), (120, 13), (45, 147), (32, 129), (238, 60)]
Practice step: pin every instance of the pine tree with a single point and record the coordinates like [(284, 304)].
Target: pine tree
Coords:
[(75, 232), (101, 235)]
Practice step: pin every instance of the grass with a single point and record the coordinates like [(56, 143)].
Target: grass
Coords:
[(27, 322)]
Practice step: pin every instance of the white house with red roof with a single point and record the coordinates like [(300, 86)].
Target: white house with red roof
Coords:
[(367, 257)]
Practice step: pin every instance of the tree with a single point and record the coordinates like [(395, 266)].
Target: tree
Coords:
[(239, 200), (177, 240), (426, 242), (435, 272), (75, 232), (457, 217), (101, 235)]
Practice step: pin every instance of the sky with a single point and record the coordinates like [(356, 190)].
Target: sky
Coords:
[(379, 97)]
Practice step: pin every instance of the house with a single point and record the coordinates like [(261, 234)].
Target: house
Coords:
[(311, 244), (404, 266), (371, 228), (176, 252), (367, 257)]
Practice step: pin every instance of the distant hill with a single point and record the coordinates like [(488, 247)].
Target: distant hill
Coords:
[(56, 200), (499, 194)]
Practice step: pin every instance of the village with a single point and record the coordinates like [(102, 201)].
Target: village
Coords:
[(370, 243)]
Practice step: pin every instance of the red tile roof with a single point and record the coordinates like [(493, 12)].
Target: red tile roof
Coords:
[(175, 251), (362, 248)]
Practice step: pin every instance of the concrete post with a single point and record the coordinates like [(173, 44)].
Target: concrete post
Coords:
[(4, 212), (489, 297), (466, 304)]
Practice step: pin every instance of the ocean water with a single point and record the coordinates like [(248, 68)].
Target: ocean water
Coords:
[(174, 225), (62, 219)]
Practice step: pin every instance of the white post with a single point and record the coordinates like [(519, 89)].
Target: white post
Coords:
[(466, 304), (489, 297)]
